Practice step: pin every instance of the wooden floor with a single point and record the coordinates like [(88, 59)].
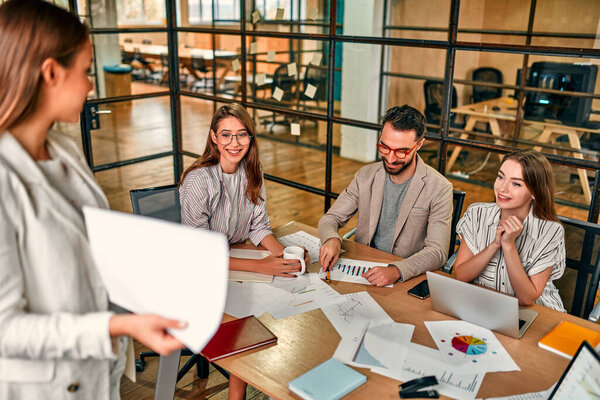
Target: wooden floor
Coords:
[(143, 128)]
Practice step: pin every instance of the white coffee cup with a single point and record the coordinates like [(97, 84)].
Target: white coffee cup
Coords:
[(295, 253)]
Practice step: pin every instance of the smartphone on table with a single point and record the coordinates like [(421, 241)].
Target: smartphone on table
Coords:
[(420, 290)]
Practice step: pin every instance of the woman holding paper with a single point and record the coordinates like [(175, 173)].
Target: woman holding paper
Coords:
[(515, 245), (223, 191), (57, 337)]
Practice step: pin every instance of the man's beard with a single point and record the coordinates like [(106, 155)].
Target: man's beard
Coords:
[(399, 170)]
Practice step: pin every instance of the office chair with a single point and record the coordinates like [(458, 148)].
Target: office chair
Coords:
[(163, 203), (434, 99), (482, 93), (199, 65), (583, 266), (317, 77), (287, 83)]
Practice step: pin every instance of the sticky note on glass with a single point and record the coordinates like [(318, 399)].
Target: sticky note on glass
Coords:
[(253, 48), (271, 56), (260, 79), (295, 129), (277, 94), (279, 14), (313, 13), (255, 16), (316, 59), (292, 70), (310, 91), (235, 65)]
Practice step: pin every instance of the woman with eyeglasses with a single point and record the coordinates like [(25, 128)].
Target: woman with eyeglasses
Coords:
[(516, 244)]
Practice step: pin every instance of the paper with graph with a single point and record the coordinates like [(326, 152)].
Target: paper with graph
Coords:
[(358, 306), (348, 270)]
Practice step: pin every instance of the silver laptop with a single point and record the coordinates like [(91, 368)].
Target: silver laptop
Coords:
[(477, 305)]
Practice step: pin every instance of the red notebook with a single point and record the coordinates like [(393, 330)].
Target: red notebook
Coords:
[(236, 336)]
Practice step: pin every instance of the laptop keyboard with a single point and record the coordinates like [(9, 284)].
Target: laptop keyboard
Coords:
[(521, 323)]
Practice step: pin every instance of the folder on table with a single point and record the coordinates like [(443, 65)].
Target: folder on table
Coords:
[(330, 380), (237, 336), (566, 338)]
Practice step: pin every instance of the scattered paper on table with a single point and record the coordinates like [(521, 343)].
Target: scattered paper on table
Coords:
[(235, 65), (249, 276), (358, 306), (316, 59), (271, 56), (277, 94), (422, 361), (242, 300), (280, 12), (470, 346), (290, 296), (295, 129), (348, 270), (261, 79), (144, 261), (313, 13), (301, 238), (292, 70), (310, 91), (255, 16), (253, 47), (543, 395)]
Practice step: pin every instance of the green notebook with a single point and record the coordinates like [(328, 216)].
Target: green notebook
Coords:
[(328, 381)]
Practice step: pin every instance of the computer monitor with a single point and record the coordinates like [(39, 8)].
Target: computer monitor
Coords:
[(569, 110)]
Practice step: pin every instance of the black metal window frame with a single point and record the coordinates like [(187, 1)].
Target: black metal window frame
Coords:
[(451, 46)]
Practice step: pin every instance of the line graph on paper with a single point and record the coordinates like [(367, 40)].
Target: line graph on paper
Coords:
[(359, 306)]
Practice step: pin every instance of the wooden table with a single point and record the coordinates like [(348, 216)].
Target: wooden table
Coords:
[(155, 51), (506, 110), (306, 340)]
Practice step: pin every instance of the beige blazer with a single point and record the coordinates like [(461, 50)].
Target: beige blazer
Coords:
[(422, 234), (53, 307)]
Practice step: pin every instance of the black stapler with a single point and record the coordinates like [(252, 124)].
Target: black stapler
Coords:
[(412, 389)]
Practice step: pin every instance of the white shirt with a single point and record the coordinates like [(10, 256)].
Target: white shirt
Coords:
[(541, 245)]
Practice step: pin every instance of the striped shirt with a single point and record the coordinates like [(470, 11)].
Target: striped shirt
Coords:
[(205, 204), (541, 245)]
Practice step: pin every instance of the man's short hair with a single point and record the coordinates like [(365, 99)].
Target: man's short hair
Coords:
[(405, 118)]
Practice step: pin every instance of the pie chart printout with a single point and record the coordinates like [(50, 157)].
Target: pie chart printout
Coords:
[(469, 345)]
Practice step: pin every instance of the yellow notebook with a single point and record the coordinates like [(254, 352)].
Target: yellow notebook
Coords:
[(566, 338)]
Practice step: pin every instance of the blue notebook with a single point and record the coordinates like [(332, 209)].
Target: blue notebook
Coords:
[(331, 380)]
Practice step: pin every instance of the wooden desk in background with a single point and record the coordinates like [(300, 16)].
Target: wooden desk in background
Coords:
[(506, 110), (306, 340)]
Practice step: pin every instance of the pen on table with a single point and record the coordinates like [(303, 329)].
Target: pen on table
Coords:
[(328, 277)]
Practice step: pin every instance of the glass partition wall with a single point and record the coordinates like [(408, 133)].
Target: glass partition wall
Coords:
[(318, 75)]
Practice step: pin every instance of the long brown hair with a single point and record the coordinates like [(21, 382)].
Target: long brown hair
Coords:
[(211, 151), (32, 31), (539, 179)]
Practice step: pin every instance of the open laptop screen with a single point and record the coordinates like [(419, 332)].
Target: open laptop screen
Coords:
[(581, 379)]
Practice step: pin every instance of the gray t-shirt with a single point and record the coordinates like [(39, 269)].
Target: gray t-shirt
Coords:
[(232, 186), (393, 195)]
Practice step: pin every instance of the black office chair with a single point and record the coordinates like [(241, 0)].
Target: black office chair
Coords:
[(163, 203), (434, 99), (288, 84), (486, 74), (583, 266), (200, 65), (318, 78), (458, 199)]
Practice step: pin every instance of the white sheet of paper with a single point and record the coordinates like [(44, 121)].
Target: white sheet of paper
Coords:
[(301, 238), (255, 16), (249, 254), (253, 47), (470, 346), (316, 59), (422, 361), (310, 91), (290, 296), (350, 343), (242, 300), (143, 260), (277, 94), (359, 306), (292, 70), (543, 395), (271, 56), (313, 13), (261, 79), (349, 270), (295, 129), (235, 65), (280, 12), (248, 276)]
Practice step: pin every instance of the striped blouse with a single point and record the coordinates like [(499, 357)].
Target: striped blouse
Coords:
[(205, 204), (540, 245)]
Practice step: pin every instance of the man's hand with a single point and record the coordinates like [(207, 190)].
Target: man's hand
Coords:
[(382, 276), (329, 253)]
